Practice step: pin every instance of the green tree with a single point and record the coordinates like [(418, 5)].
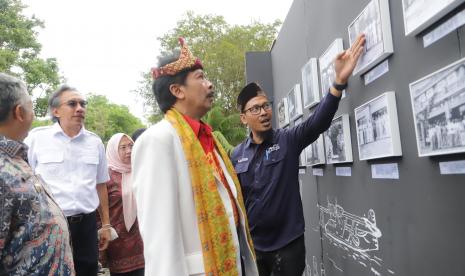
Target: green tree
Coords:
[(105, 118), (19, 53), (229, 125), (222, 48)]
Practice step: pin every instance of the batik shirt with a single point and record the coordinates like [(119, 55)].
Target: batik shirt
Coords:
[(34, 235)]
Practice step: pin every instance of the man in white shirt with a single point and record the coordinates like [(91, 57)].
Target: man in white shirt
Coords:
[(72, 162)]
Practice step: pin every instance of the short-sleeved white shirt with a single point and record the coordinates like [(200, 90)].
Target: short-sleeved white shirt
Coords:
[(72, 167)]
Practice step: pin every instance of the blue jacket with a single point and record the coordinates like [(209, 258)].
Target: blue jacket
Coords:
[(268, 174)]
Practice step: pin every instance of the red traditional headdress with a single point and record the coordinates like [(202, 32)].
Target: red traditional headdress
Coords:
[(186, 60)]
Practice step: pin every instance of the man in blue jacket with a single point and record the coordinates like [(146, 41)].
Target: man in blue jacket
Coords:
[(267, 165)]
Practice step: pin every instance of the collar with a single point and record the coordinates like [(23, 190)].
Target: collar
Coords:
[(197, 125), (13, 148), (56, 128), (271, 138)]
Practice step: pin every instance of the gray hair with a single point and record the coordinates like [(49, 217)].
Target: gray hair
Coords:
[(54, 100), (12, 92)]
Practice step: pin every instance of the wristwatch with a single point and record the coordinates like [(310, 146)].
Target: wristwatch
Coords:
[(339, 87)]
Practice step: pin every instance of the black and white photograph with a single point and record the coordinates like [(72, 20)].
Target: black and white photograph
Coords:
[(374, 21), (310, 86), (338, 144), (283, 113), (378, 128), (315, 153), (294, 102), (438, 104), (326, 62), (420, 14)]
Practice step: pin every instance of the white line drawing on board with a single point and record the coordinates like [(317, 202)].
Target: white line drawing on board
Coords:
[(356, 235), (355, 232)]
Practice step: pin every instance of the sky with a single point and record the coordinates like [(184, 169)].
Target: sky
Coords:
[(103, 46)]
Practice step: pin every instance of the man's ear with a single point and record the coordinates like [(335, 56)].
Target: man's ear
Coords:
[(177, 91), (55, 112), (243, 119), (19, 113)]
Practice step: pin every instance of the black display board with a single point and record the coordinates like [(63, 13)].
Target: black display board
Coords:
[(357, 225)]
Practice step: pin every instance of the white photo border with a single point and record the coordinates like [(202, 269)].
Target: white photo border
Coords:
[(396, 147), (388, 47), (347, 141), (411, 85), (429, 21), (312, 63)]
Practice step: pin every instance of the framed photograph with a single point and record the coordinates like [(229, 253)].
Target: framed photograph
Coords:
[(294, 101), (378, 128), (315, 153), (283, 113), (338, 144), (438, 104), (419, 14), (374, 21), (326, 61), (310, 86)]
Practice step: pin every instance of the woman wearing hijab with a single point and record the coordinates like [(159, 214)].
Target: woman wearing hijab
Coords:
[(125, 254)]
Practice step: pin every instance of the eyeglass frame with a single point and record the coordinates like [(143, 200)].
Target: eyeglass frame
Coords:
[(74, 103), (260, 107)]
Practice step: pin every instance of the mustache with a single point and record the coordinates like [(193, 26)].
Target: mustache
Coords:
[(211, 94)]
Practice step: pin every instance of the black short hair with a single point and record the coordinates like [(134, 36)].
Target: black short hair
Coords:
[(161, 86), (12, 92), (137, 133)]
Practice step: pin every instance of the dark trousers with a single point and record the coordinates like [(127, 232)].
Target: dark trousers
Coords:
[(83, 230), (287, 261), (138, 272)]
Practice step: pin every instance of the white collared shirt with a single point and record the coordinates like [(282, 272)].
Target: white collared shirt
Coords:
[(72, 167)]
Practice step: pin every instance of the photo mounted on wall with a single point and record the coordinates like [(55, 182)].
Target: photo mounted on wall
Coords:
[(310, 87), (378, 128), (338, 144), (374, 21), (326, 61), (438, 104), (294, 102), (419, 14), (315, 153), (283, 113)]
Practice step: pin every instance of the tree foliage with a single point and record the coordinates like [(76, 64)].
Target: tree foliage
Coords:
[(222, 48), (229, 125), (105, 118), (19, 53)]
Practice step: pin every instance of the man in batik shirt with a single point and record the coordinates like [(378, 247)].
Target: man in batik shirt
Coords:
[(34, 236)]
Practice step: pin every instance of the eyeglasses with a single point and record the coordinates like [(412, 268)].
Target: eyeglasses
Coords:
[(74, 103), (255, 110)]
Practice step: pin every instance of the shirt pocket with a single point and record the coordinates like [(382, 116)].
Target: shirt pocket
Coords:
[(274, 159), (271, 169), (51, 163), (242, 167), (90, 162)]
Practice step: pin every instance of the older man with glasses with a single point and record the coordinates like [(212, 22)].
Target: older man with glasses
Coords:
[(72, 161)]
